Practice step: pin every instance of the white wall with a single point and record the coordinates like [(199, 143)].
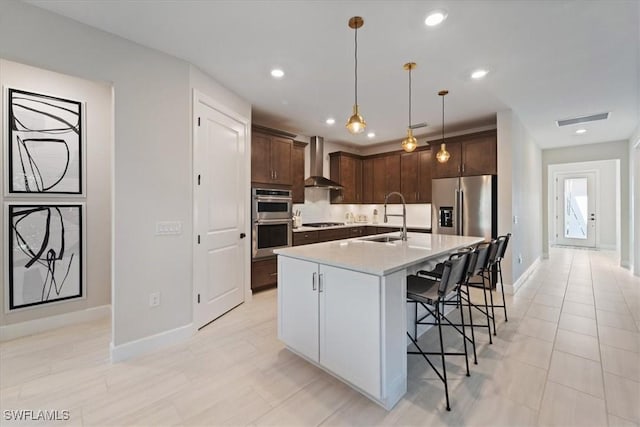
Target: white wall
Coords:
[(634, 193), (98, 100), (618, 150), (607, 200), (153, 165), (519, 195)]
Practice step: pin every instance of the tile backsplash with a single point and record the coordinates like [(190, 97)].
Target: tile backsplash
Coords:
[(318, 208)]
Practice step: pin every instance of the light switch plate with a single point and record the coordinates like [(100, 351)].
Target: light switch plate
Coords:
[(165, 228)]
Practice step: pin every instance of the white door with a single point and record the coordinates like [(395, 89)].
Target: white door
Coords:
[(576, 209), (219, 213)]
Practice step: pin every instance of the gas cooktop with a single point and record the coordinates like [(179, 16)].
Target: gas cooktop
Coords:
[(323, 224)]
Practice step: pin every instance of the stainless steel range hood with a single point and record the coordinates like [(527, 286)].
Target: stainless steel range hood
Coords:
[(316, 165)]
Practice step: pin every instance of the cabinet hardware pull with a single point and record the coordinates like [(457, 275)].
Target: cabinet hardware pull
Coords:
[(320, 281), (463, 168), (313, 282), (275, 173)]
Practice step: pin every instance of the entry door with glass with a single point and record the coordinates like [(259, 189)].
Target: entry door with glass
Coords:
[(576, 209)]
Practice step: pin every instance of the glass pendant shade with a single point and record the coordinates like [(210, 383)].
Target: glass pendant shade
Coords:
[(409, 143), (356, 123), (443, 155)]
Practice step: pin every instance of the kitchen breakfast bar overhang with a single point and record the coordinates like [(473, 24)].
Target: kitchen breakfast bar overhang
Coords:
[(342, 306)]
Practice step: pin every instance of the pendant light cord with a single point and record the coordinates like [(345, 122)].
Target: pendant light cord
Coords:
[(409, 97), (443, 118), (356, 67)]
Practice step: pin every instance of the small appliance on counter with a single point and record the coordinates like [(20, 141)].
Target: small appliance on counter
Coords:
[(375, 216), (349, 218), (297, 219), (362, 219)]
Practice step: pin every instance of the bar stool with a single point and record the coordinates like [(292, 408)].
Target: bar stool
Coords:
[(484, 253), (503, 242), (431, 295)]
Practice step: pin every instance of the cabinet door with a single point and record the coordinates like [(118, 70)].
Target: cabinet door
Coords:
[(379, 179), (350, 327), (298, 325), (479, 156), (348, 179), (367, 181), (281, 160), (297, 173), (264, 273), (424, 176), (392, 164), (260, 158), (451, 168), (409, 176)]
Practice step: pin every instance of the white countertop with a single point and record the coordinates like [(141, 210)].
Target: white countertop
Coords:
[(358, 224), (377, 258)]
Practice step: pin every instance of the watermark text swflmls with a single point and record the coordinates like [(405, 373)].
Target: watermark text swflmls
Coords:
[(36, 415)]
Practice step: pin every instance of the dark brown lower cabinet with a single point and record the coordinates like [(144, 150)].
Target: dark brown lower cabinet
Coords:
[(264, 273)]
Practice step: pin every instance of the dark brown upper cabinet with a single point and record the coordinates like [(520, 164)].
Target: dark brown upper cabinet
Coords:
[(415, 176), (297, 172), (471, 154), (270, 159), (346, 169)]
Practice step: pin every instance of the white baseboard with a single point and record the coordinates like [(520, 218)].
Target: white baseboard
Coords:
[(512, 289), (148, 344), (625, 264), (30, 327)]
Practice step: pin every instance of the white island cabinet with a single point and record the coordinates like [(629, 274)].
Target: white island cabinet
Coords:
[(342, 306)]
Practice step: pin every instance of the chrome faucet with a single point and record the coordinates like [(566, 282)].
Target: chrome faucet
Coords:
[(403, 236)]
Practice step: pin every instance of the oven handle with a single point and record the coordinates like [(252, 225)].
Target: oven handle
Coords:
[(273, 221), (273, 198)]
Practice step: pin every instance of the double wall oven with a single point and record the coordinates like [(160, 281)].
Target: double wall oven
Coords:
[(271, 217)]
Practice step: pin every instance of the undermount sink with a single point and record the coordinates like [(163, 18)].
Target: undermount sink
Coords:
[(382, 239)]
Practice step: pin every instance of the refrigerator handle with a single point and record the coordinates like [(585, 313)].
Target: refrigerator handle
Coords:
[(456, 212), (461, 210)]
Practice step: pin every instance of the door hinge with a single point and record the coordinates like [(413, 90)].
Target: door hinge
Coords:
[(198, 239), (198, 298), (198, 179), (198, 121)]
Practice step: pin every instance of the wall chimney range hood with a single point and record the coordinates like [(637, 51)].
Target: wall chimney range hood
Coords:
[(316, 165)]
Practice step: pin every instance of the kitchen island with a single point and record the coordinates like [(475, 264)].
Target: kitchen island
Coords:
[(342, 306)]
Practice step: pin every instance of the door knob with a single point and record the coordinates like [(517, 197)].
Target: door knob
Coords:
[(242, 235)]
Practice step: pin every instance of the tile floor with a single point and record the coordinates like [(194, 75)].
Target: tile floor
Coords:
[(569, 355)]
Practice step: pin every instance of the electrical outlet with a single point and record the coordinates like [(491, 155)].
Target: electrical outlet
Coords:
[(154, 299), (515, 219), (520, 259)]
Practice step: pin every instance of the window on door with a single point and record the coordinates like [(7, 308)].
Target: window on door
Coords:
[(576, 207)]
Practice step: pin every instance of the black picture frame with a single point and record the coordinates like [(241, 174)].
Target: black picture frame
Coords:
[(45, 253), (45, 144)]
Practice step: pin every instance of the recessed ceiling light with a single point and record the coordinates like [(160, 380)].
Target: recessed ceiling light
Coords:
[(435, 18), (581, 131), (478, 74), (277, 73), (371, 135), (330, 121)]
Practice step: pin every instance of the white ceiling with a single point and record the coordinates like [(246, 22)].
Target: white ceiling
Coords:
[(548, 60)]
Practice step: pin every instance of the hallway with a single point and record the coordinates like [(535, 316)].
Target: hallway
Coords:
[(569, 355)]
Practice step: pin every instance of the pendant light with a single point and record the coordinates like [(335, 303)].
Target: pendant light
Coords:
[(409, 143), (443, 155), (356, 123)]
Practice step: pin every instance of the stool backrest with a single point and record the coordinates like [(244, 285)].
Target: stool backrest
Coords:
[(454, 273), (503, 241), (483, 252)]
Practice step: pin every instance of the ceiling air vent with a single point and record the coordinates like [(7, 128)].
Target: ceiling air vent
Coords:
[(583, 119)]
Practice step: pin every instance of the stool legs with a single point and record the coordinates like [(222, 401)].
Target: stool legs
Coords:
[(444, 366)]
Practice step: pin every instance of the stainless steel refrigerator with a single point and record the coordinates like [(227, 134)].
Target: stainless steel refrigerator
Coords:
[(465, 206)]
